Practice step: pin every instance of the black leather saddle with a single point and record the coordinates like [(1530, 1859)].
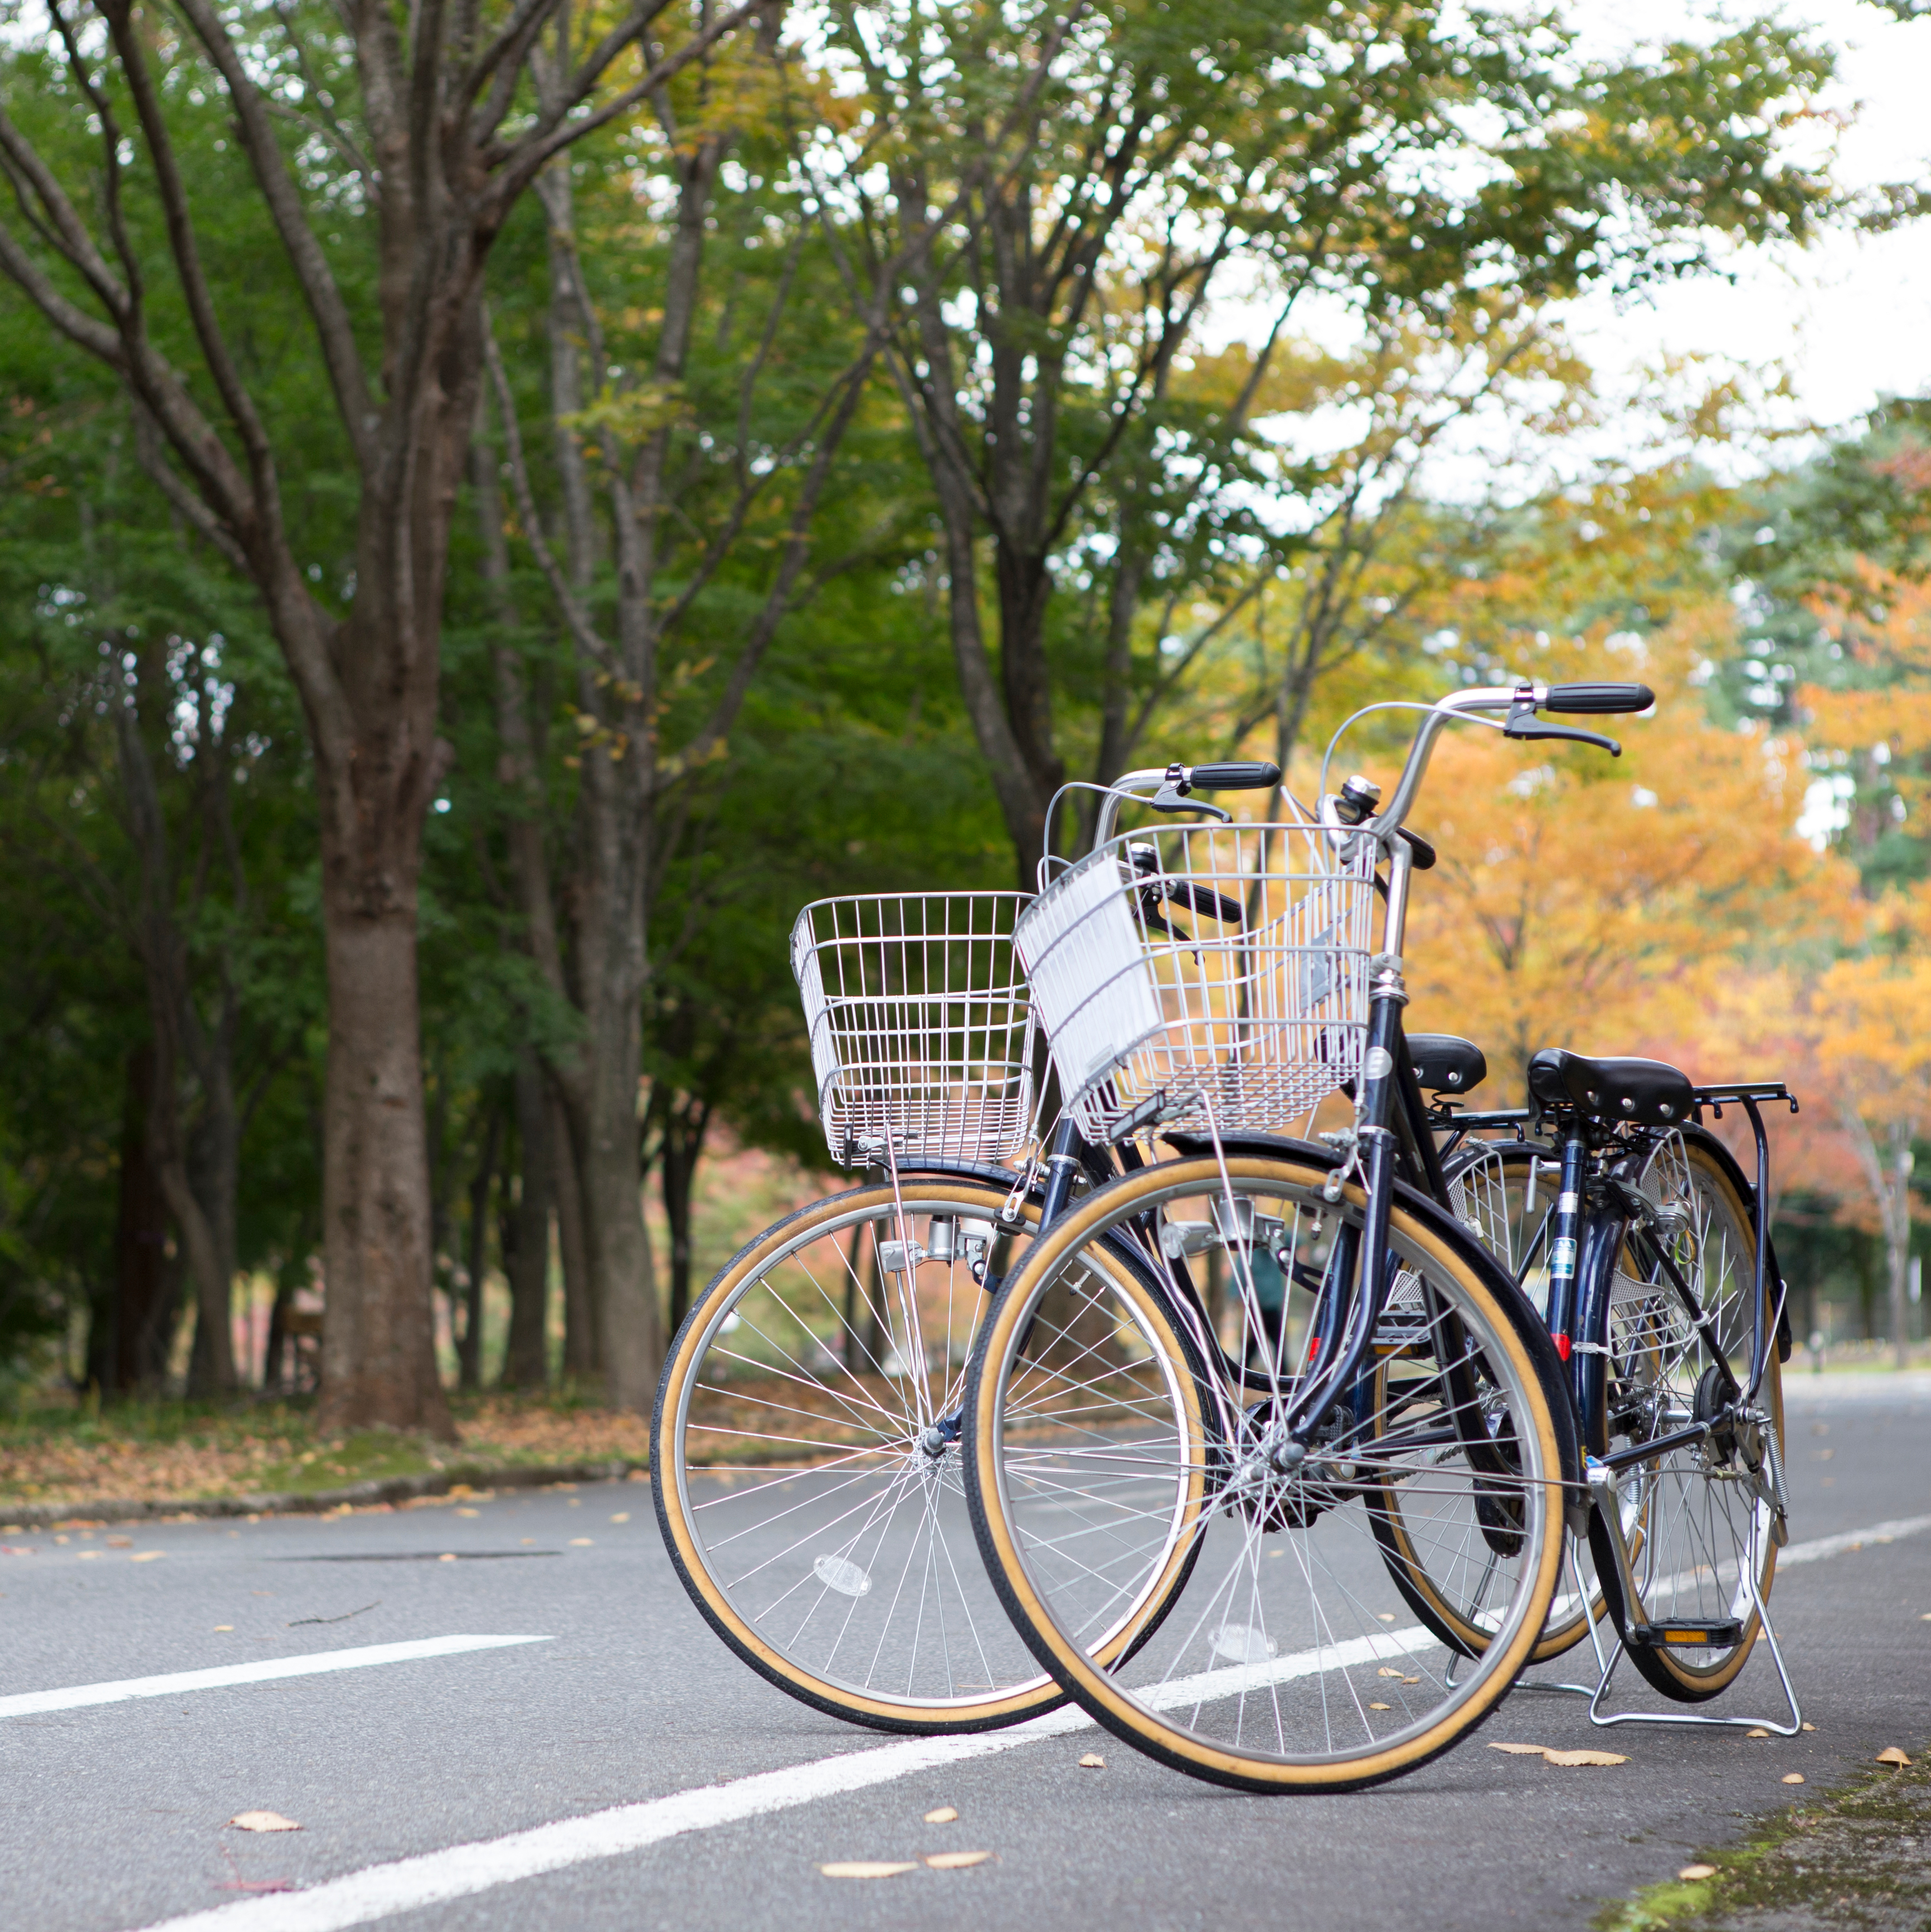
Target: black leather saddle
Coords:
[(1444, 1064), (1645, 1091)]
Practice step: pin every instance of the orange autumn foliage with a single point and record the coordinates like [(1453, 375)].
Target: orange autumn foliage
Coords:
[(1592, 903)]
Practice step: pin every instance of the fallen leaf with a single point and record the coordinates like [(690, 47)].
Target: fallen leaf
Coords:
[(1385, 1616), (1520, 1750), (1758, 1732), (1411, 1680), (1691, 1872), (447, 1556), (1809, 1727), (1385, 1671), (219, 1627), (1793, 1777), (469, 1512), (956, 1861), (1380, 1707), (120, 1543), (1093, 1761), (263, 1821), (147, 1556), (944, 1815), (1890, 1754), (579, 1543), (88, 1556), (1585, 1757), (622, 1515), (866, 1868)]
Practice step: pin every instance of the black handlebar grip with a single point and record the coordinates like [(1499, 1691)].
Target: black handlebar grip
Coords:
[(1235, 777), (1598, 698)]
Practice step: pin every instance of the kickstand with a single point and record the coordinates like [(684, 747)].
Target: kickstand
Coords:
[(1607, 1660)]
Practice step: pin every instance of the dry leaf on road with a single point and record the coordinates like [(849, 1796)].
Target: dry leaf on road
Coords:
[(1697, 1872), (263, 1821), (580, 1543), (147, 1556), (1520, 1750), (956, 1861), (622, 1515), (1758, 1732), (867, 1868), (1385, 1671), (1793, 1777), (1093, 1761), (1585, 1757), (1380, 1707), (219, 1627), (1890, 1754), (120, 1543), (944, 1815), (469, 1512), (447, 1556)]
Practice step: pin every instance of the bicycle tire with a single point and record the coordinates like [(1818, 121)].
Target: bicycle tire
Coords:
[(1211, 1481), (1701, 1515), (819, 1639)]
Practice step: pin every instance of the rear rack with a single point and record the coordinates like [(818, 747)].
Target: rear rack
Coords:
[(1741, 1093)]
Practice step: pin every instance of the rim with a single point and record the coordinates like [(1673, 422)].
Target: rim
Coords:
[(1290, 1645)]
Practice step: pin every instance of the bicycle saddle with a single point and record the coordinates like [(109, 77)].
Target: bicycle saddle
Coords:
[(1646, 1091), (1444, 1064)]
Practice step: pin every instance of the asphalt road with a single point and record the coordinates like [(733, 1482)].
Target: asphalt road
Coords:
[(114, 1812)]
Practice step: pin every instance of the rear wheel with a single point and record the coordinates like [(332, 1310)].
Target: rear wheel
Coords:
[(1708, 1513), (1288, 1663)]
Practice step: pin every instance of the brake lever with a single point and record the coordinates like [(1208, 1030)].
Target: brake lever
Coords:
[(1169, 798), (1523, 723)]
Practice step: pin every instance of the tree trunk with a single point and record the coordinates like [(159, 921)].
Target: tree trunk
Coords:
[(684, 1129), (581, 1356), (469, 1349), (378, 1338), (139, 1360), (527, 1259)]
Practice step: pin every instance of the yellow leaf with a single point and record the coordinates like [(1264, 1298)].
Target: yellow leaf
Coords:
[(1692, 1872), (469, 1512), (1385, 1671), (1093, 1761), (1758, 1732), (1411, 1680), (1809, 1727), (1890, 1754), (224, 1626), (263, 1821), (147, 1556), (956, 1861), (867, 1868), (1520, 1750), (1386, 1616), (1793, 1777), (113, 1542), (447, 1556), (944, 1815), (580, 1543), (622, 1515), (1380, 1707), (1585, 1757)]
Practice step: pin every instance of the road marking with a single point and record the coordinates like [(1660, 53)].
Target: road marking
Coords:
[(80, 1695), (437, 1878), (1821, 1547)]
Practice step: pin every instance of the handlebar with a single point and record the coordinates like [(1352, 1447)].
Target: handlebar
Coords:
[(1602, 699), (1168, 788), (1522, 702), (1256, 776)]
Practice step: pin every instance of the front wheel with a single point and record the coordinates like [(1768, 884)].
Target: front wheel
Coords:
[(1290, 1661)]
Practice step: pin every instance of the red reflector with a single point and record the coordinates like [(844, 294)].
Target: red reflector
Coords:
[(1313, 1347), (1562, 1346)]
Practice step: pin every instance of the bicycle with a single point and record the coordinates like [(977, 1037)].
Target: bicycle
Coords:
[(1416, 1368), (805, 1432)]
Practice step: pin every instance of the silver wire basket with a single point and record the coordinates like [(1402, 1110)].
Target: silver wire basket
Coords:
[(921, 1027), (1195, 973)]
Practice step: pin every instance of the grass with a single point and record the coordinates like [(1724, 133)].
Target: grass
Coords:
[(166, 1451), (1856, 1858)]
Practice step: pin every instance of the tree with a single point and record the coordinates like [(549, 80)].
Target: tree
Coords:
[(386, 152), (1049, 199)]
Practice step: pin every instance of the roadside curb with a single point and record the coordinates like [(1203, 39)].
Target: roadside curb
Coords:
[(316, 1502)]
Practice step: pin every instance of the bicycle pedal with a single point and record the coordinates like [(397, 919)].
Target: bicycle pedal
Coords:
[(1699, 1633)]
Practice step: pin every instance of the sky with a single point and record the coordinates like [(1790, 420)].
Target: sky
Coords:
[(1850, 317)]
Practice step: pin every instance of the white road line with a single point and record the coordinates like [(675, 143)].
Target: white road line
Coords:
[(436, 1878), (1821, 1547), (267, 1671)]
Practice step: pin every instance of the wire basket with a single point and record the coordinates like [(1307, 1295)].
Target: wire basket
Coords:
[(921, 1030), (1196, 972)]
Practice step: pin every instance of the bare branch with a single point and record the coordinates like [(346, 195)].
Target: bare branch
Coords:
[(337, 337), (582, 631), (186, 502)]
